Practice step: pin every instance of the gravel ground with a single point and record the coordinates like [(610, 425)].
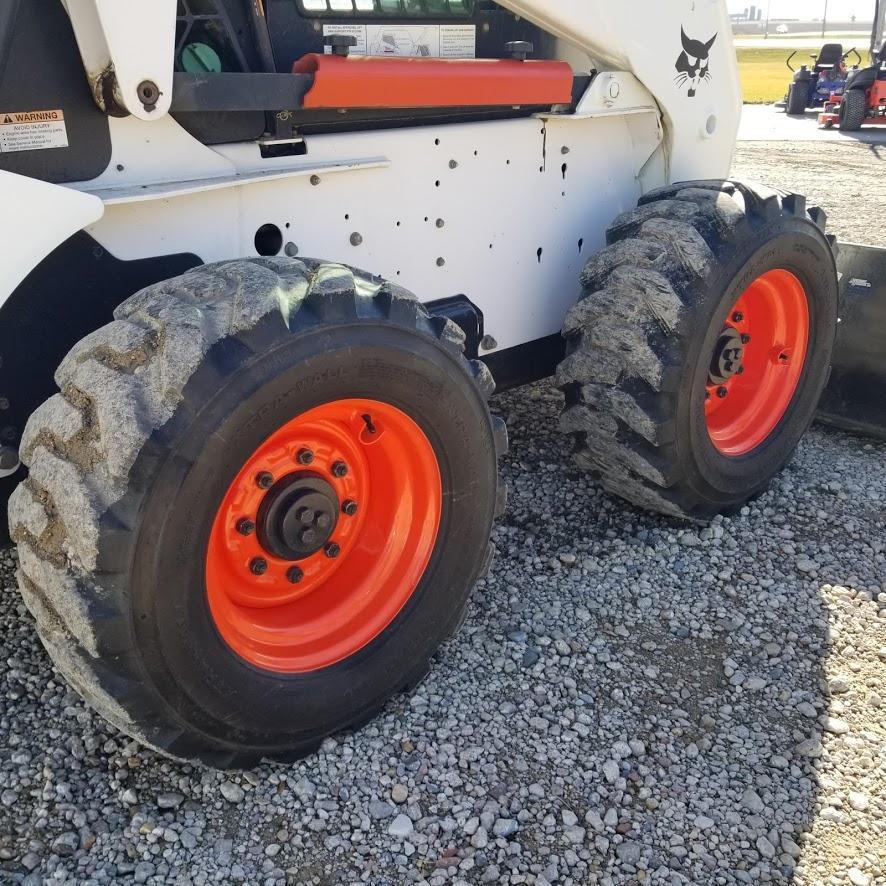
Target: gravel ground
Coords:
[(845, 178), (630, 701)]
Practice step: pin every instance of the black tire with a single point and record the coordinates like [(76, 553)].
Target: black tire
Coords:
[(853, 110), (796, 100), (129, 462), (640, 342)]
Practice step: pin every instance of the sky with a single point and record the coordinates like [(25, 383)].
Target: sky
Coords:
[(808, 9)]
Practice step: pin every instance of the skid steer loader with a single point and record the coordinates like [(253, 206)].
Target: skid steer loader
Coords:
[(256, 483)]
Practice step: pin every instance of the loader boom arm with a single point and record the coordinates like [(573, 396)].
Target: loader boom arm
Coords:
[(128, 49)]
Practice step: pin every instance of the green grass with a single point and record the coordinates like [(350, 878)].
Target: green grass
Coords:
[(764, 77)]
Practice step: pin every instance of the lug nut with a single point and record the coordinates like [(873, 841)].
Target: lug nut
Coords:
[(245, 526), (306, 516), (294, 575), (722, 392), (745, 339), (264, 480), (332, 550), (309, 536), (737, 317), (349, 508), (740, 370), (258, 566), (339, 469), (304, 457)]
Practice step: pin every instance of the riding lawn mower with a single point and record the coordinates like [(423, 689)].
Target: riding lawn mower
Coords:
[(812, 87), (862, 100)]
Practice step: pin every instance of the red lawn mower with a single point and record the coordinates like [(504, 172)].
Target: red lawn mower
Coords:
[(863, 99)]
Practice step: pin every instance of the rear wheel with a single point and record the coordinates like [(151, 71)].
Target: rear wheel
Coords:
[(257, 507), (699, 351), (853, 110)]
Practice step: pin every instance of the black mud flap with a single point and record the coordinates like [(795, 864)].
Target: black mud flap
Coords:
[(855, 398)]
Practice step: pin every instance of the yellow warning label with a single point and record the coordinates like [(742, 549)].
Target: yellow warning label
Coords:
[(32, 130)]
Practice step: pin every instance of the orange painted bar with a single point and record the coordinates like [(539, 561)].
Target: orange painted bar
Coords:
[(365, 82)]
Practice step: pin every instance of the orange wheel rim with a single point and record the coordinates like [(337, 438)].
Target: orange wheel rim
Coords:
[(323, 536), (757, 363)]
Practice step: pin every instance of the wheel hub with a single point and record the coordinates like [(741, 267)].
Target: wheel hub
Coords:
[(297, 516), (323, 535), (727, 357), (757, 363)]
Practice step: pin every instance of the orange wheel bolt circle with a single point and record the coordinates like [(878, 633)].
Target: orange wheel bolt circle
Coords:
[(296, 617), (774, 313)]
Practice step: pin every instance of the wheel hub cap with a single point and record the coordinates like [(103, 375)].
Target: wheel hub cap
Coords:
[(298, 516), (728, 355)]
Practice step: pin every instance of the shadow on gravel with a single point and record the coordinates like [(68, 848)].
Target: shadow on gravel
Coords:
[(630, 701)]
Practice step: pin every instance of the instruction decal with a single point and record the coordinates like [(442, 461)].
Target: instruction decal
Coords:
[(409, 41), (32, 131)]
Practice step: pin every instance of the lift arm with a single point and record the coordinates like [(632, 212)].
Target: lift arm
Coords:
[(128, 49)]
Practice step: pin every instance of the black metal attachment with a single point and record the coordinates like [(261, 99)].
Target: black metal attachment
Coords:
[(722, 392), (258, 566), (466, 315), (230, 91), (332, 550), (341, 43), (304, 457), (294, 575), (264, 480), (519, 49), (350, 508), (339, 469), (854, 397)]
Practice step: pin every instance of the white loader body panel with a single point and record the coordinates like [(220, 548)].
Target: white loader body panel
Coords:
[(505, 212)]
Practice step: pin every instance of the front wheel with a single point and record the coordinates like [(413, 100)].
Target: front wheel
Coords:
[(796, 100), (257, 507), (853, 110), (698, 353)]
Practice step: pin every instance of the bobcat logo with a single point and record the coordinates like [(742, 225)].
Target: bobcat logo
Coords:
[(692, 63)]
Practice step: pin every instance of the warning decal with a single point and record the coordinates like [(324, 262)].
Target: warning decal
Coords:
[(404, 40), (32, 131)]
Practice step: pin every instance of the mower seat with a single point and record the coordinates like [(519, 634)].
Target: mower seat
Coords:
[(862, 78), (830, 55)]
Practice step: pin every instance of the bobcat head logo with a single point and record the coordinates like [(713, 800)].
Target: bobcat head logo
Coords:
[(692, 63)]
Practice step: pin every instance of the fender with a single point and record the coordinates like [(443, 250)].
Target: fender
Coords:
[(681, 52), (37, 217)]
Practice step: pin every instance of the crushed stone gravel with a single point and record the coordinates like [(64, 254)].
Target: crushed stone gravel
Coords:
[(631, 700)]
